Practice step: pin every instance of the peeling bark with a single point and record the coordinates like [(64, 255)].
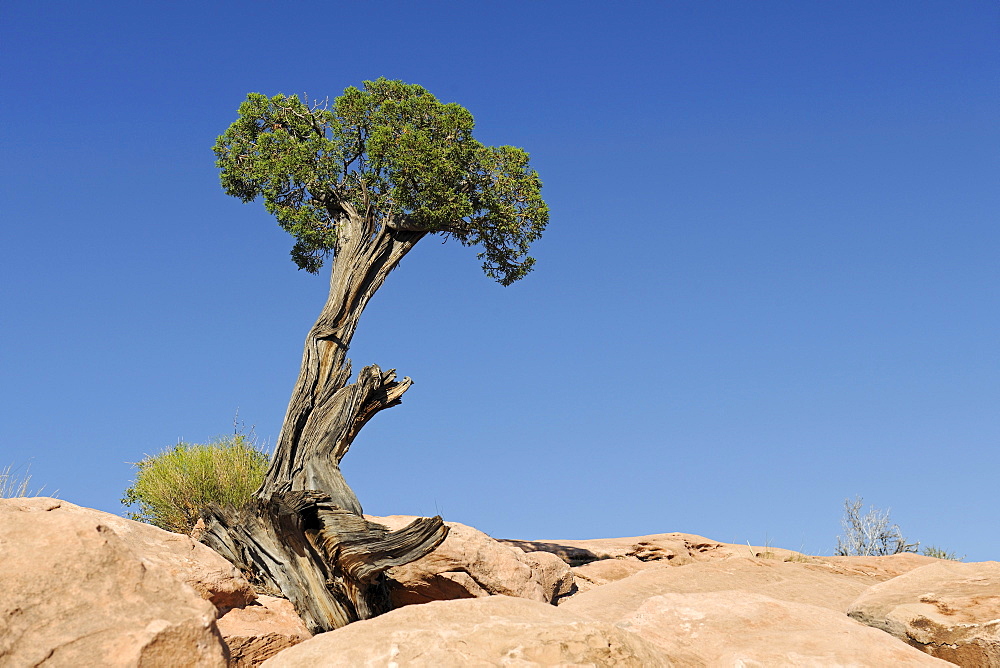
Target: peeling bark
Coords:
[(303, 534)]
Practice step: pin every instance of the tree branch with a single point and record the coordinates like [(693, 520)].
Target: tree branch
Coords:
[(405, 223)]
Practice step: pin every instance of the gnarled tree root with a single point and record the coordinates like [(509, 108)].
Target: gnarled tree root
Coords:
[(330, 562)]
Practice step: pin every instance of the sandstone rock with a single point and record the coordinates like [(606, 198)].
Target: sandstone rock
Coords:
[(880, 568), (470, 564), (676, 548), (187, 560), (257, 632), (679, 549), (496, 630), (75, 594), (555, 577), (736, 628), (598, 561), (948, 609), (815, 584), (603, 571), (672, 547)]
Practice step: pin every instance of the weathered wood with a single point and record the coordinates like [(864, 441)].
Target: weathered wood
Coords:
[(303, 534), (330, 562), (324, 414)]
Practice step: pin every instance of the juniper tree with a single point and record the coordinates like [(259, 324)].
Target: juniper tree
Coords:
[(357, 184)]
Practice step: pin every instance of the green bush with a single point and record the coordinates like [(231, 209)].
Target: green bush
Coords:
[(173, 487), (939, 553)]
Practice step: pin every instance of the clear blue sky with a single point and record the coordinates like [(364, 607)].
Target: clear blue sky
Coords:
[(770, 281)]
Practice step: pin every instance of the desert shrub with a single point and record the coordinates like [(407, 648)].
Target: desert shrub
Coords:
[(938, 553), (172, 488), (871, 534)]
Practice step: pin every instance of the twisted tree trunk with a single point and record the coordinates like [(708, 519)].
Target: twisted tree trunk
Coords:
[(304, 534)]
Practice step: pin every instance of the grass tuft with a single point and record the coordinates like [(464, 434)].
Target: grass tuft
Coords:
[(939, 553), (13, 485), (172, 488)]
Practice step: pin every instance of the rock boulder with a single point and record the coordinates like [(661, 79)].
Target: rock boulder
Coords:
[(470, 564), (948, 609), (737, 628), (257, 632), (497, 630), (74, 593), (187, 560), (679, 549), (811, 583)]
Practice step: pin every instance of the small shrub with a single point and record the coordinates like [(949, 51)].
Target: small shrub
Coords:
[(870, 534), (172, 488), (938, 553)]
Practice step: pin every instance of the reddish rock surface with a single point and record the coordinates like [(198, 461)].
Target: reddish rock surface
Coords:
[(257, 632), (679, 549), (604, 571), (187, 560), (814, 583), (74, 593), (80, 587), (948, 609), (597, 562), (498, 630), (470, 564), (737, 628)]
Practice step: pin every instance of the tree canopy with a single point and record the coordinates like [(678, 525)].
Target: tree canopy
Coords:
[(389, 153)]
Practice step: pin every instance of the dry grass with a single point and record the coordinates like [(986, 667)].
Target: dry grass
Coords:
[(14, 485)]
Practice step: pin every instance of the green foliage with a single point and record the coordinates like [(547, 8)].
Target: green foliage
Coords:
[(173, 487), (938, 553), (390, 152)]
